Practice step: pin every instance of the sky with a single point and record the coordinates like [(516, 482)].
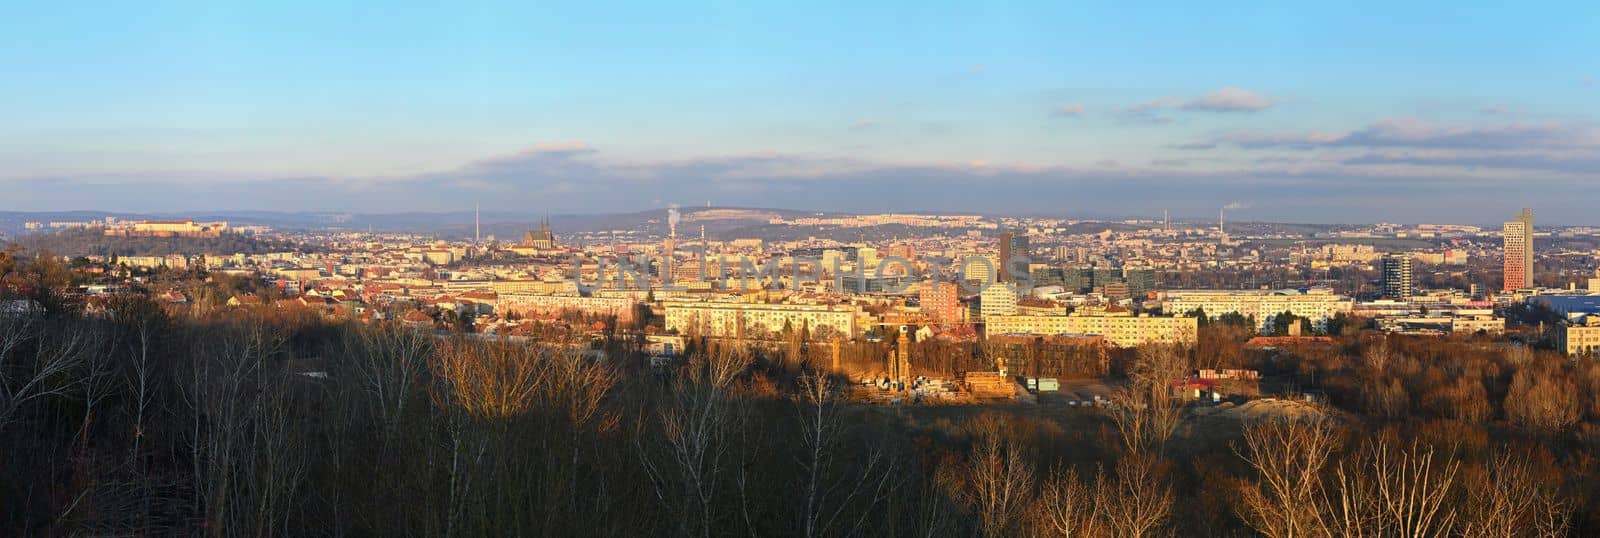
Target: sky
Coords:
[(1347, 112)]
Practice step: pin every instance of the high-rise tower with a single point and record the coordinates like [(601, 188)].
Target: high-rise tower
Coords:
[(1013, 243), (1397, 282), (1518, 235)]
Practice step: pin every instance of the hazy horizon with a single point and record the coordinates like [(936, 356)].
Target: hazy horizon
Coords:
[(464, 216)]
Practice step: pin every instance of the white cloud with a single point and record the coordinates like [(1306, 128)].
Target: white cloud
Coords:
[(1224, 100), (1073, 109), (1230, 99)]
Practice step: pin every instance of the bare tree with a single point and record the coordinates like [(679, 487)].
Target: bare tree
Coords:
[(1508, 500), (1068, 506), (16, 328), (1412, 491), (1388, 400), (467, 452), (1377, 356), (44, 372), (96, 377), (247, 452), (1393, 493), (140, 380), (688, 460), (577, 386), (388, 363), (1159, 364), (490, 381), (1144, 411), (1139, 501), (1349, 506), (831, 491), (1288, 457), (1519, 355), (997, 479), (1541, 399)]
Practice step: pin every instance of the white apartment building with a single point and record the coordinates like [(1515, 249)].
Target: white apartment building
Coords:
[(1119, 330), (531, 304), (741, 320), (1316, 304), (1580, 338), (999, 299)]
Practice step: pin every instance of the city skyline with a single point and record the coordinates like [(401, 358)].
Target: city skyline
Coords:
[(1329, 114), (719, 269)]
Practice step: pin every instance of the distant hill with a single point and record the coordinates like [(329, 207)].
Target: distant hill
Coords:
[(93, 241)]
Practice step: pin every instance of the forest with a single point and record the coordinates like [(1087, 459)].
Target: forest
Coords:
[(133, 418)]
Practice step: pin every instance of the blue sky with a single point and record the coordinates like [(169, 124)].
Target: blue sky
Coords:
[(1349, 112)]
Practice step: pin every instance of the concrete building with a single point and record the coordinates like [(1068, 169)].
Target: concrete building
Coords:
[(526, 304), (1396, 270), (1013, 244), (1518, 236), (1316, 304), (1580, 338), (999, 299), (1141, 281), (867, 258), (746, 320), (1488, 324), (1119, 330), (1442, 324), (536, 287), (438, 256), (979, 270), (941, 301), (1045, 275)]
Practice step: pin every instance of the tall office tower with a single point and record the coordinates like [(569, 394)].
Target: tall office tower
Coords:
[(1045, 275), (1141, 281), (1518, 236), (1078, 279), (1397, 276), (1012, 243)]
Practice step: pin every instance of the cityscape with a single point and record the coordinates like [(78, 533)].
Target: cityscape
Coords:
[(414, 303)]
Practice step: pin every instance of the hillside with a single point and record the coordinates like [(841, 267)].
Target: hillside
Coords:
[(89, 242)]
